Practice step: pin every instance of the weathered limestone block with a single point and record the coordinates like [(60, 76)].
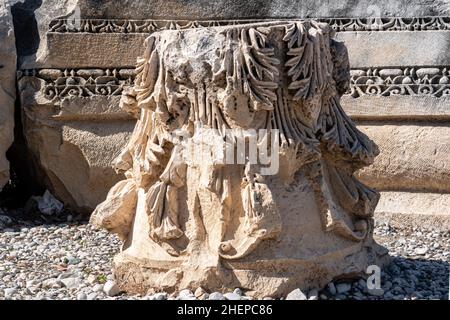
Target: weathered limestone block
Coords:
[(249, 9), (412, 158), (7, 88), (72, 122), (199, 209), (399, 108), (32, 19), (90, 49), (404, 109), (73, 139), (397, 48), (419, 205)]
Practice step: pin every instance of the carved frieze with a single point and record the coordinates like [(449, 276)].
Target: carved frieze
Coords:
[(61, 83), (338, 24), (414, 81)]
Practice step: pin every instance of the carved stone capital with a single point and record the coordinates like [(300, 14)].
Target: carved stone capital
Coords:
[(240, 168)]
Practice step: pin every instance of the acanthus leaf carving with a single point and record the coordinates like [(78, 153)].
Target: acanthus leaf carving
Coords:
[(206, 216)]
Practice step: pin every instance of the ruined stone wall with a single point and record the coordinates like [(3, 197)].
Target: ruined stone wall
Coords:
[(72, 72)]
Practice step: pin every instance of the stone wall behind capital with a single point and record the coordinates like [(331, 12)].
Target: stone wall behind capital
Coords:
[(71, 79), (7, 88)]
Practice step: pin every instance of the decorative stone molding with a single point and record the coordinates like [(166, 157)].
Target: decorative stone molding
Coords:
[(338, 24), (389, 24), (82, 82), (188, 221), (414, 81)]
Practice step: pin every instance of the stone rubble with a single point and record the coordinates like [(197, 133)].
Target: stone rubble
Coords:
[(73, 261)]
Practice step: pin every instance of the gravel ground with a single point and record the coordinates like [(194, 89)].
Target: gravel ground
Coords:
[(70, 260)]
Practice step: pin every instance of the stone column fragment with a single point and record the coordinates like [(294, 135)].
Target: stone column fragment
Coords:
[(240, 168)]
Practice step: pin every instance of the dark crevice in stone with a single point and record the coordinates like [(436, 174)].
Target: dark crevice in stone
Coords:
[(23, 182), (26, 27)]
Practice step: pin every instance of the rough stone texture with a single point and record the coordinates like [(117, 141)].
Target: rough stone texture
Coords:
[(403, 108), (90, 50), (74, 149), (368, 48), (412, 170), (31, 21), (7, 88), (72, 138), (411, 209), (412, 158), (399, 209), (231, 9), (188, 221)]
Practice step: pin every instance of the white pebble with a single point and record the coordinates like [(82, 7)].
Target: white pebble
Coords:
[(9, 292), (111, 288), (81, 296), (216, 296), (296, 294), (98, 287), (232, 296)]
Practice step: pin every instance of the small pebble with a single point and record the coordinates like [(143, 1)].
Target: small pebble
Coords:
[(232, 296), (343, 287), (216, 296), (296, 294), (111, 289), (98, 287), (185, 293), (331, 288), (313, 294), (9, 292), (376, 292), (81, 296), (160, 296), (201, 294)]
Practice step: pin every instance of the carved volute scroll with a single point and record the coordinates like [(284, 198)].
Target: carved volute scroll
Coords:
[(188, 221)]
